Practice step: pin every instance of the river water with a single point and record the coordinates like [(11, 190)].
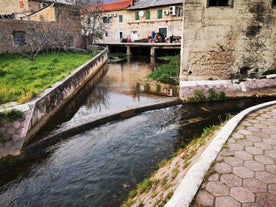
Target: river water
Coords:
[(99, 167)]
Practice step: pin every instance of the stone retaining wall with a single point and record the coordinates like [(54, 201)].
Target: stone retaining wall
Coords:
[(231, 88)]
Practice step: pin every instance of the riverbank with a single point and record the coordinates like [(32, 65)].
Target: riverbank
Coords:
[(39, 111), (176, 183), (159, 188)]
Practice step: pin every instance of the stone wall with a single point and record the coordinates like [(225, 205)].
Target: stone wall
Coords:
[(231, 88), (10, 6), (222, 42), (67, 23)]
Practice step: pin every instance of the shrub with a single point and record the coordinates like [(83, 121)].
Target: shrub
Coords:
[(167, 73)]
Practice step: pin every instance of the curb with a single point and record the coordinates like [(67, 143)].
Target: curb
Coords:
[(185, 192)]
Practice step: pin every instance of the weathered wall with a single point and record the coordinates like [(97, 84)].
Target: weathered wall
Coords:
[(47, 14), (12, 6), (67, 22), (222, 42), (231, 88)]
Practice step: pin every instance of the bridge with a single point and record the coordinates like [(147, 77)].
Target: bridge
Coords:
[(140, 46)]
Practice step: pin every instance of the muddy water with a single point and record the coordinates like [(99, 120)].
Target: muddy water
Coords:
[(100, 166)]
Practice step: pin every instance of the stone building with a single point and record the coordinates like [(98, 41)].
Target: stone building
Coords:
[(136, 20), (160, 16), (13, 8), (224, 39), (60, 21)]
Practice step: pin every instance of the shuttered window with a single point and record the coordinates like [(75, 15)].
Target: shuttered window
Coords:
[(120, 18), (159, 14), (147, 14), (136, 15)]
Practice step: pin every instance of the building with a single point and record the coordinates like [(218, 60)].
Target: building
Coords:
[(225, 39), (129, 20), (58, 20), (106, 18), (147, 18)]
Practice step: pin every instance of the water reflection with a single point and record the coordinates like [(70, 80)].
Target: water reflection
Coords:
[(115, 90)]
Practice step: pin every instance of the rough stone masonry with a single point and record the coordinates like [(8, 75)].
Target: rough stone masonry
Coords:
[(227, 40)]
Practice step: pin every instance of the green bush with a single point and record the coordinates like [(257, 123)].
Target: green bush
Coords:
[(198, 96), (167, 73)]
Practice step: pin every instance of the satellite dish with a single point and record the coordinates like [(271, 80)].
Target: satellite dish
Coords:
[(141, 13)]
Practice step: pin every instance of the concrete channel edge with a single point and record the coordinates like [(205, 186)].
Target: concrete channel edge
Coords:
[(128, 112), (189, 185)]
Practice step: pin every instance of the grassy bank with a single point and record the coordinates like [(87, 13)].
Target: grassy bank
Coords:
[(22, 79), (167, 73), (159, 188)]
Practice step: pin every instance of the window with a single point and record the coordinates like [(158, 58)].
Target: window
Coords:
[(159, 14), (88, 20), (136, 15), (220, 3), (147, 14), (19, 38), (120, 18), (163, 32), (273, 2), (106, 19)]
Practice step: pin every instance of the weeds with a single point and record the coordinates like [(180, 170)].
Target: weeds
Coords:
[(212, 96), (10, 116)]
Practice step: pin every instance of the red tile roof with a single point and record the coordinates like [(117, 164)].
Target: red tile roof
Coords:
[(110, 6)]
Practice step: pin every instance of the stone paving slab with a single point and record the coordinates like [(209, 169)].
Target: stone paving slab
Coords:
[(238, 167), (245, 168)]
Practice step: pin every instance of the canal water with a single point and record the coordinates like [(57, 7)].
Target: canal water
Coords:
[(99, 167)]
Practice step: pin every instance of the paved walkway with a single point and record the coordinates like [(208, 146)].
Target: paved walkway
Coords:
[(244, 172)]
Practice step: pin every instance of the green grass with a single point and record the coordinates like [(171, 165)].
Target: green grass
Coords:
[(22, 79), (167, 73)]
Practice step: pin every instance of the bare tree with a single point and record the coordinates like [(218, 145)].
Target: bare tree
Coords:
[(31, 42), (60, 38), (92, 20)]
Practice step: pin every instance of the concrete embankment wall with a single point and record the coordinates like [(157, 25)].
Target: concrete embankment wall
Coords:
[(38, 112), (231, 88), (54, 99)]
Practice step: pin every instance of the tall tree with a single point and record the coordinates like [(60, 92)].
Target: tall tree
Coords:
[(92, 20), (31, 42)]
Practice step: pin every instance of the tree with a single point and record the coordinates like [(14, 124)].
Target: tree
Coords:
[(60, 37), (32, 41), (92, 20)]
